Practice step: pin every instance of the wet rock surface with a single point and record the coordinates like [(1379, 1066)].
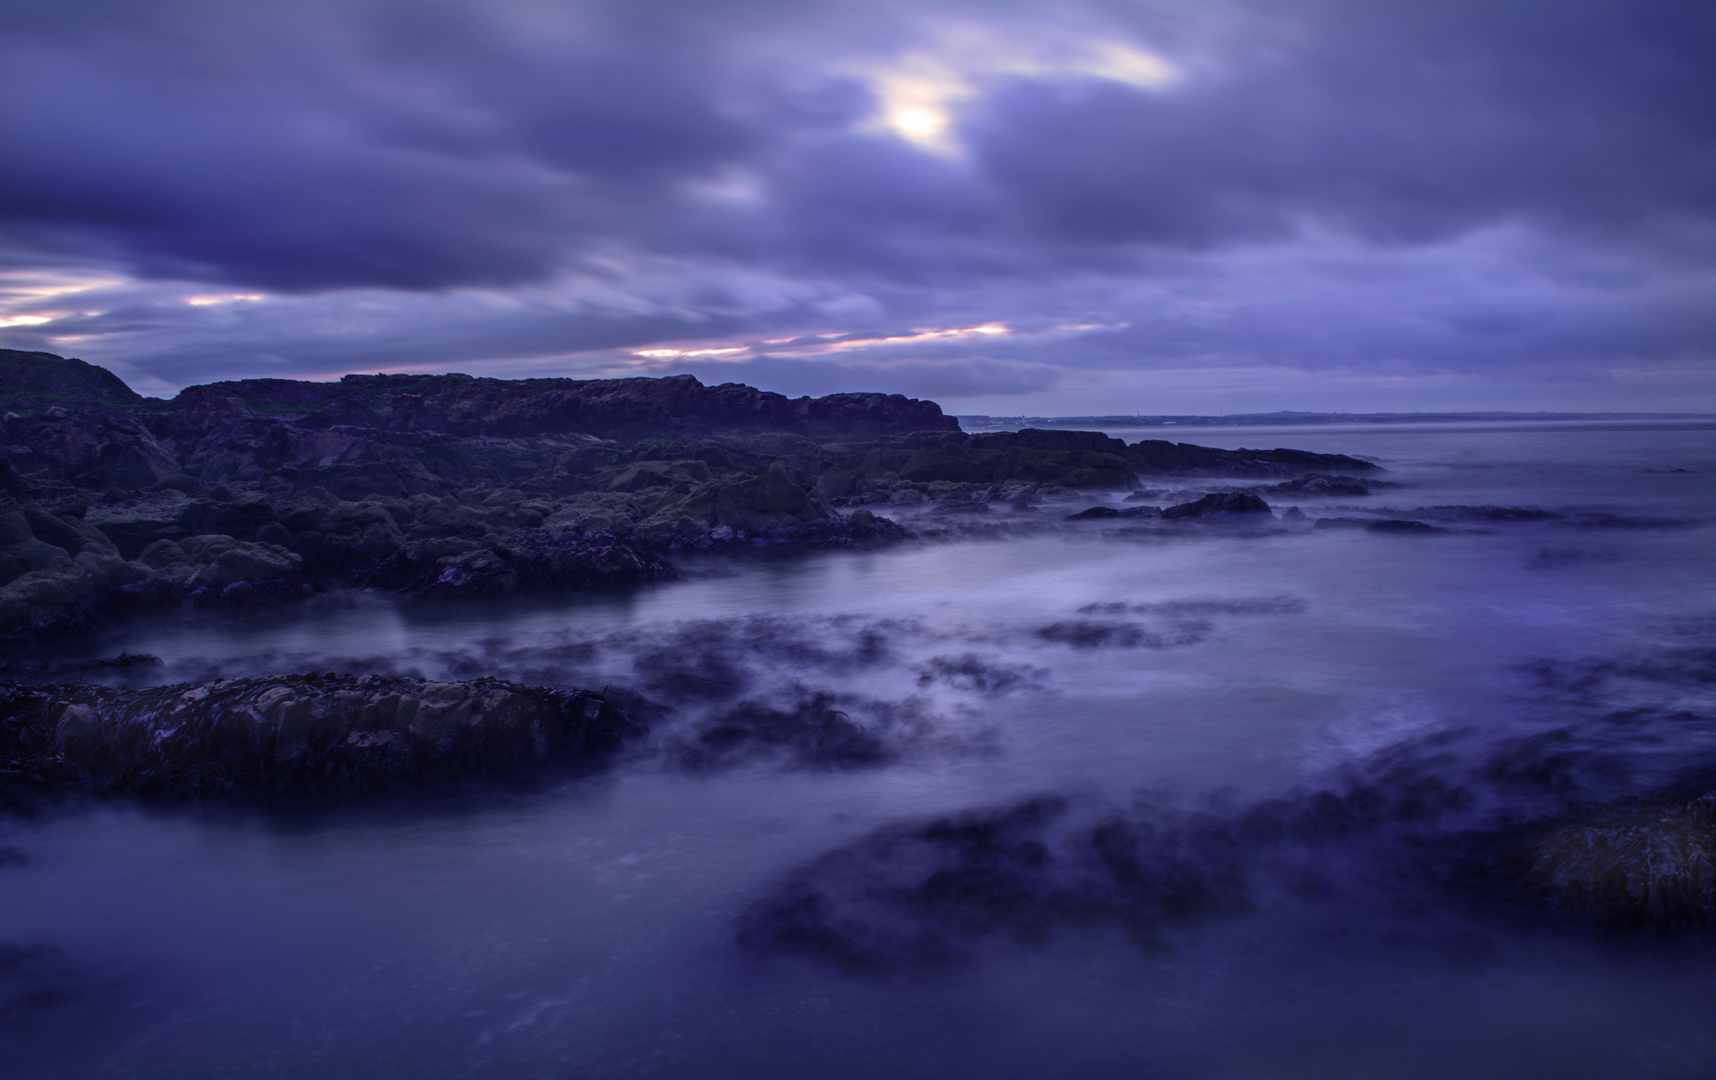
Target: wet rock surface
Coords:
[(315, 735)]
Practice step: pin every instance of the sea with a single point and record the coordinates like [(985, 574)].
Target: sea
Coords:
[(1079, 799)]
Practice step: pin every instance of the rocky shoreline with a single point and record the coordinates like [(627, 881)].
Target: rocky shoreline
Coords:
[(239, 493)]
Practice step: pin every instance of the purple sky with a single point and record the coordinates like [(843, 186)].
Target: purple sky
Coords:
[(1157, 207)]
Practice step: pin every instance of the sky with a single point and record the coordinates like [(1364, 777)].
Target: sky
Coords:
[(1010, 208)]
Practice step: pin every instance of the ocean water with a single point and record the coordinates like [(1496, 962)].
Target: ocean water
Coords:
[(927, 884)]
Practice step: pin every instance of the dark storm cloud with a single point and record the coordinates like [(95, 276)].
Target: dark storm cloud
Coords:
[(1424, 187), (1403, 123), (305, 148)]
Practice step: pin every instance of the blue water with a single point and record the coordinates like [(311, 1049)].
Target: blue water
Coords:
[(588, 928)]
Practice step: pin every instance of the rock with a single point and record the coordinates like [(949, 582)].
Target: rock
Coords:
[(751, 506), (135, 523), (215, 562), (110, 571), (622, 408), (1399, 526), (1160, 458), (527, 559), (1319, 484), (67, 532), (646, 474), (1098, 513), (475, 573), (1342, 523), (54, 596), (297, 735), (20, 551), (811, 735), (1629, 864), (98, 448), (473, 486), (11, 480), (1223, 506), (40, 380), (964, 500)]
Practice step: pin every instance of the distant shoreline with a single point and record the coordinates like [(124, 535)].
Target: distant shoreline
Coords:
[(978, 422)]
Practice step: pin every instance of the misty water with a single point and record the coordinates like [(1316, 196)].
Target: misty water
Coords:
[(630, 922)]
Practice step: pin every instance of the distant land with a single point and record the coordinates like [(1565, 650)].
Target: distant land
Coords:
[(992, 423)]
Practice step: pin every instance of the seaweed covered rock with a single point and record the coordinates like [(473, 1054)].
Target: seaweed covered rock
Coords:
[(296, 735)]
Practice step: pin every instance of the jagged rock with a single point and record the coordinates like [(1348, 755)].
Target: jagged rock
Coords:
[(295, 735), (97, 448), (1223, 506)]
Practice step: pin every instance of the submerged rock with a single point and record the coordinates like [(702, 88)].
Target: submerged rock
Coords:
[(319, 734)]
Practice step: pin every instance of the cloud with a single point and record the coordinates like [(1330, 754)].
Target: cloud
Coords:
[(1366, 195)]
